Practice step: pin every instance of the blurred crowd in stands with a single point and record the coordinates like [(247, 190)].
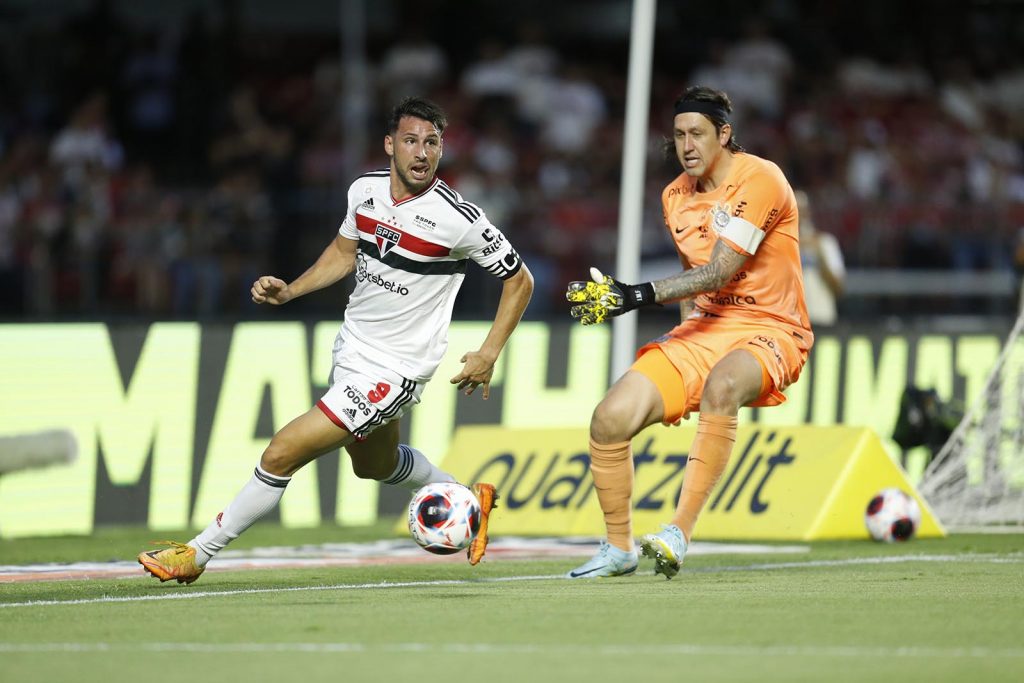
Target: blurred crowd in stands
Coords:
[(156, 170)]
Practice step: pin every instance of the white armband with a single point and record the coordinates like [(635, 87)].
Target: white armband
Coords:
[(743, 234)]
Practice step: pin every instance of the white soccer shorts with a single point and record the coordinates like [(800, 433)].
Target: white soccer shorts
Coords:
[(365, 395)]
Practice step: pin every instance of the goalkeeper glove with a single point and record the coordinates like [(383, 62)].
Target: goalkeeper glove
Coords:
[(605, 297)]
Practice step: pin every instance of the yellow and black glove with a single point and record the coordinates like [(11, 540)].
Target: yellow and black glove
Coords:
[(605, 297)]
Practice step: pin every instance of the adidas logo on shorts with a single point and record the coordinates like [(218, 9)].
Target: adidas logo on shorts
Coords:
[(350, 413)]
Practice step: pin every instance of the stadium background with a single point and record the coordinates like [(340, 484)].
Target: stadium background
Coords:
[(155, 157)]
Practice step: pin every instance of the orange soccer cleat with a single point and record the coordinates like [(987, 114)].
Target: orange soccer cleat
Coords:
[(175, 562), (487, 497)]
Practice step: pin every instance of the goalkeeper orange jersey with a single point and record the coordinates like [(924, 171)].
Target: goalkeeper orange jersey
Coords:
[(755, 212)]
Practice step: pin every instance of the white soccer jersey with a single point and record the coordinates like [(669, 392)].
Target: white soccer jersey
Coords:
[(410, 264)]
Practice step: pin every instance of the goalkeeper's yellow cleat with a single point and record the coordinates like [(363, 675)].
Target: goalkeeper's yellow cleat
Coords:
[(488, 499), (667, 548), (175, 562)]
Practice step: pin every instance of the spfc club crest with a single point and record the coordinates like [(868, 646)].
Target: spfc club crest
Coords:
[(386, 239)]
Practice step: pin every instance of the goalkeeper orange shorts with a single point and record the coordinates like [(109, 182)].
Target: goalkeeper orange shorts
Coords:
[(680, 361)]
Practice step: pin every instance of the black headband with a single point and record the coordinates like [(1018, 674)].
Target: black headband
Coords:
[(716, 111)]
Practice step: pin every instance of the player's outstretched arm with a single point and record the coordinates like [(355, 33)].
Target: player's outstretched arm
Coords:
[(336, 261), (605, 297), (478, 366), (713, 275)]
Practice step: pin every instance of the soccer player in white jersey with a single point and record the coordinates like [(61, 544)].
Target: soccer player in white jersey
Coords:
[(407, 238)]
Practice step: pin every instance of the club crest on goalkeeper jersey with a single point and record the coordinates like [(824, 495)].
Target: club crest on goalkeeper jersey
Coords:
[(410, 264), (754, 211)]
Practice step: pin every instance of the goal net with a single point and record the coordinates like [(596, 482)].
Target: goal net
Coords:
[(977, 477)]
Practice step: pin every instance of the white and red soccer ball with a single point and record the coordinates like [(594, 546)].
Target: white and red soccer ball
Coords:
[(892, 515), (444, 518)]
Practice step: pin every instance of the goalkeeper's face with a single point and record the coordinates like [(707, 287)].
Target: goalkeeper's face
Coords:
[(698, 145), (415, 151)]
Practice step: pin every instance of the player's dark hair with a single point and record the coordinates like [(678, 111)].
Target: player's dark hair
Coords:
[(420, 108), (713, 104)]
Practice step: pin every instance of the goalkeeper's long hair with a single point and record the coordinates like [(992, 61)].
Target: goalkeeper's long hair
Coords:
[(702, 93)]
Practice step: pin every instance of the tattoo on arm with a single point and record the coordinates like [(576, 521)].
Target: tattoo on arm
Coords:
[(686, 307), (713, 275)]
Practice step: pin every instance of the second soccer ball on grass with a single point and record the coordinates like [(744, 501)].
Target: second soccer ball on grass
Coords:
[(892, 515)]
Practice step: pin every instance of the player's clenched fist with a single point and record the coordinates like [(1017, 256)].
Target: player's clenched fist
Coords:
[(603, 297), (270, 290)]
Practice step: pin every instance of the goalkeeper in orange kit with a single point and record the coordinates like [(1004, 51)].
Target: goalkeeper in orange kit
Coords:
[(744, 335)]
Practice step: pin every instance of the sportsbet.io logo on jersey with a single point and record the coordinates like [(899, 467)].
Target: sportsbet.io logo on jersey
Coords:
[(494, 245), (364, 275)]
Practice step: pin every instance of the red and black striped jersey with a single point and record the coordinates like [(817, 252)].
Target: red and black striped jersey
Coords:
[(411, 261)]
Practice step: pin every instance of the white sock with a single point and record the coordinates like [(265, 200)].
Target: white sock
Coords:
[(414, 470), (259, 496)]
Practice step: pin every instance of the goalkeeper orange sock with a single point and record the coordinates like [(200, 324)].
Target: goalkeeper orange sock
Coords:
[(612, 468), (709, 455)]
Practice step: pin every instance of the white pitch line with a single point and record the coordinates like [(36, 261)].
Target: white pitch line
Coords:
[(365, 554), (254, 591), (890, 559), (802, 651), (188, 594)]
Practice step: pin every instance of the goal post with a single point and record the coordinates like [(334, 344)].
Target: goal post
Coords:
[(977, 477)]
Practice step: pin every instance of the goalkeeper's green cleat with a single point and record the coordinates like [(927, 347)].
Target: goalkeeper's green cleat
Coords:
[(667, 548), (175, 562), (609, 561)]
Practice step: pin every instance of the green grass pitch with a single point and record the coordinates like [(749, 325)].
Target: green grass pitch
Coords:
[(929, 610)]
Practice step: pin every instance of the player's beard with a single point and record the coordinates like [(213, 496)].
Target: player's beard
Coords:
[(411, 184)]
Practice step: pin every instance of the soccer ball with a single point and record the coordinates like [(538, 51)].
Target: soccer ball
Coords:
[(444, 517), (892, 515)]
